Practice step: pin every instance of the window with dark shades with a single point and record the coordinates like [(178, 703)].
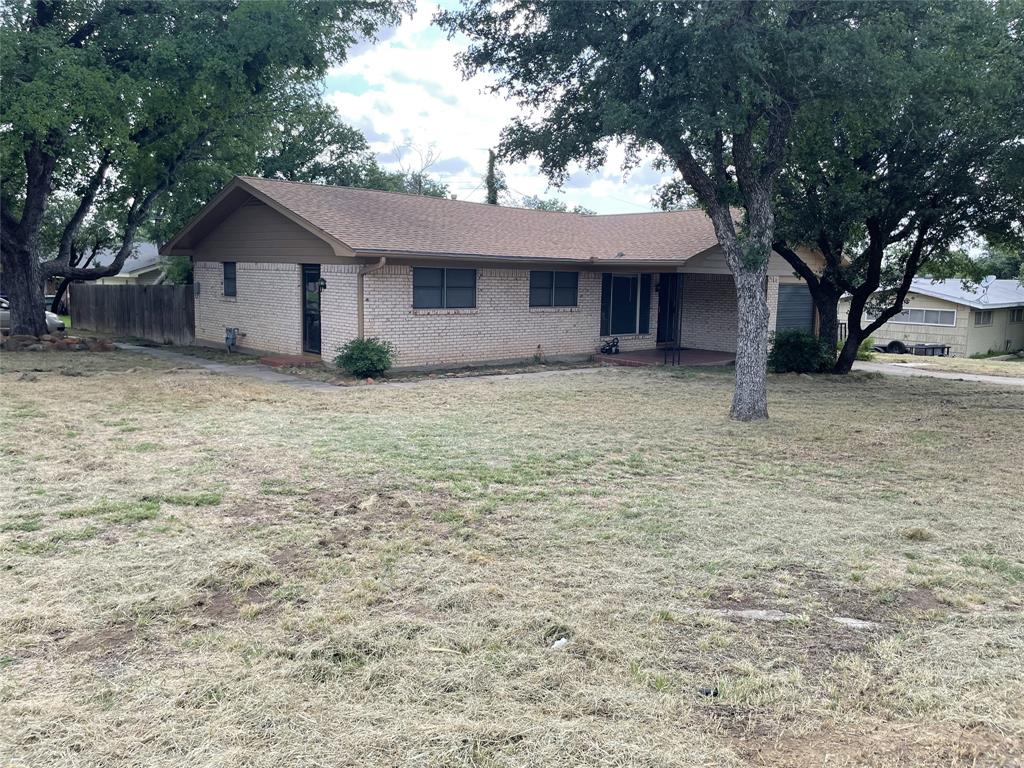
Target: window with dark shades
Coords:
[(439, 288), (554, 289), (230, 285), (625, 304)]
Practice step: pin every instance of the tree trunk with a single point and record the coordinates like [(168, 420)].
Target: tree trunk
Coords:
[(828, 322), (848, 354), (58, 297), (750, 398), (23, 283)]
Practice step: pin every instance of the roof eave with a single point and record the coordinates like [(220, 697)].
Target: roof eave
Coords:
[(518, 260)]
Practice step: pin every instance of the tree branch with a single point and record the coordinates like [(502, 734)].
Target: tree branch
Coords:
[(74, 224), (798, 264)]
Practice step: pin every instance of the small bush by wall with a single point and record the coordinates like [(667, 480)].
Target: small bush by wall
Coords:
[(365, 357), (799, 352)]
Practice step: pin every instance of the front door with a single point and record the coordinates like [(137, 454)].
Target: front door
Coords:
[(311, 308), (668, 307)]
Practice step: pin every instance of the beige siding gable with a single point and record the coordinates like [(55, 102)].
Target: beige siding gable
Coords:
[(712, 261), (256, 233)]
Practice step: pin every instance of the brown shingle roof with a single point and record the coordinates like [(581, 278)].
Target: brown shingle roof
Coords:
[(371, 221)]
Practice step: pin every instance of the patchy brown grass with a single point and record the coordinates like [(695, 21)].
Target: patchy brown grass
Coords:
[(197, 570), (985, 366)]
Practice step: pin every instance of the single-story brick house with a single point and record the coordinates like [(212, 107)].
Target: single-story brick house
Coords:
[(305, 268), (970, 319)]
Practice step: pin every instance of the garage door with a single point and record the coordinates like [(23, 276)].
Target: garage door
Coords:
[(796, 308)]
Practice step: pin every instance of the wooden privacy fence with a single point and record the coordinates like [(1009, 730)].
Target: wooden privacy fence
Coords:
[(160, 313)]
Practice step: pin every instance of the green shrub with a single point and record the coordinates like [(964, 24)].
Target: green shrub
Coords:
[(865, 351), (365, 357), (799, 352)]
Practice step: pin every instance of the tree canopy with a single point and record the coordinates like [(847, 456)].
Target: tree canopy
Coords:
[(109, 105), (711, 88), (885, 177), (552, 204)]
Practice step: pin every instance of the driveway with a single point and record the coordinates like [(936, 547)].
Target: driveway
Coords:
[(893, 369)]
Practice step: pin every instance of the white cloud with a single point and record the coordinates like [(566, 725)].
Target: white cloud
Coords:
[(407, 87)]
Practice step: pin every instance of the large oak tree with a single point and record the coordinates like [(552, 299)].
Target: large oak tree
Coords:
[(110, 104), (712, 88), (884, 179)]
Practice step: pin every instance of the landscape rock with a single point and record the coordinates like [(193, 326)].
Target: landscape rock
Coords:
[(754, 614), (559, 644), (852, 623)]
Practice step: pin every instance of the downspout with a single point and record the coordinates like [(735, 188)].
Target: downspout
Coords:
[(364, 270)]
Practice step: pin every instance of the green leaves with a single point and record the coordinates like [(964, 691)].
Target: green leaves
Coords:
[(182, 94)]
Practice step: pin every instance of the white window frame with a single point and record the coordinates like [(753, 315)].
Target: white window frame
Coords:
[(895, 319)]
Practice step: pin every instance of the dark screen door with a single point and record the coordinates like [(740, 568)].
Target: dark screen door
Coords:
[(311, 308), (668, 307)]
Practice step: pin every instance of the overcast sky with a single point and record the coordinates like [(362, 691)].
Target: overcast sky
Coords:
[(407, 86)]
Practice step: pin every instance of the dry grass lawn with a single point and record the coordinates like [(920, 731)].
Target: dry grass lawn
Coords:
[(984, 366), (197, 570)]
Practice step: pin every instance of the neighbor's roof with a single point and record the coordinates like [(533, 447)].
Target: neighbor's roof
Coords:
[(370, 222), (989, 294), (145, 256)]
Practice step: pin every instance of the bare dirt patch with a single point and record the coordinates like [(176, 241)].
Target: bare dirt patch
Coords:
[(112, 641), (887, 747)]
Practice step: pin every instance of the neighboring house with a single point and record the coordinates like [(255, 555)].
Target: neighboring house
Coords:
[(141, 267), (306, 268), (971, 320)]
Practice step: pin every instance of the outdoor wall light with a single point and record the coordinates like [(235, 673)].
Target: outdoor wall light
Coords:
[(322, 285)]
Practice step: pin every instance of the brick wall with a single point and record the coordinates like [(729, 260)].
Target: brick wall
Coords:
[(502, 326), (709, 312), (337, 308), (267, 308)]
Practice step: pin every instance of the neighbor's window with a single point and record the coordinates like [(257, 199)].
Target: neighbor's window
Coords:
[(554, 289), (230, 284), (945, 317), (983, 317), (434, 288), (625, 304), (1017, 315)]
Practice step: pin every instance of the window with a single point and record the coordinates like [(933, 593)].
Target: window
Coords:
[(230, 284), (625, 304), (434, 288), (1017, 315), (945, 317), (554, 289), (983, 317)]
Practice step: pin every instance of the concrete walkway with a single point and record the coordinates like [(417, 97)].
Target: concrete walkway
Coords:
[(256, 371), (895, 369)]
